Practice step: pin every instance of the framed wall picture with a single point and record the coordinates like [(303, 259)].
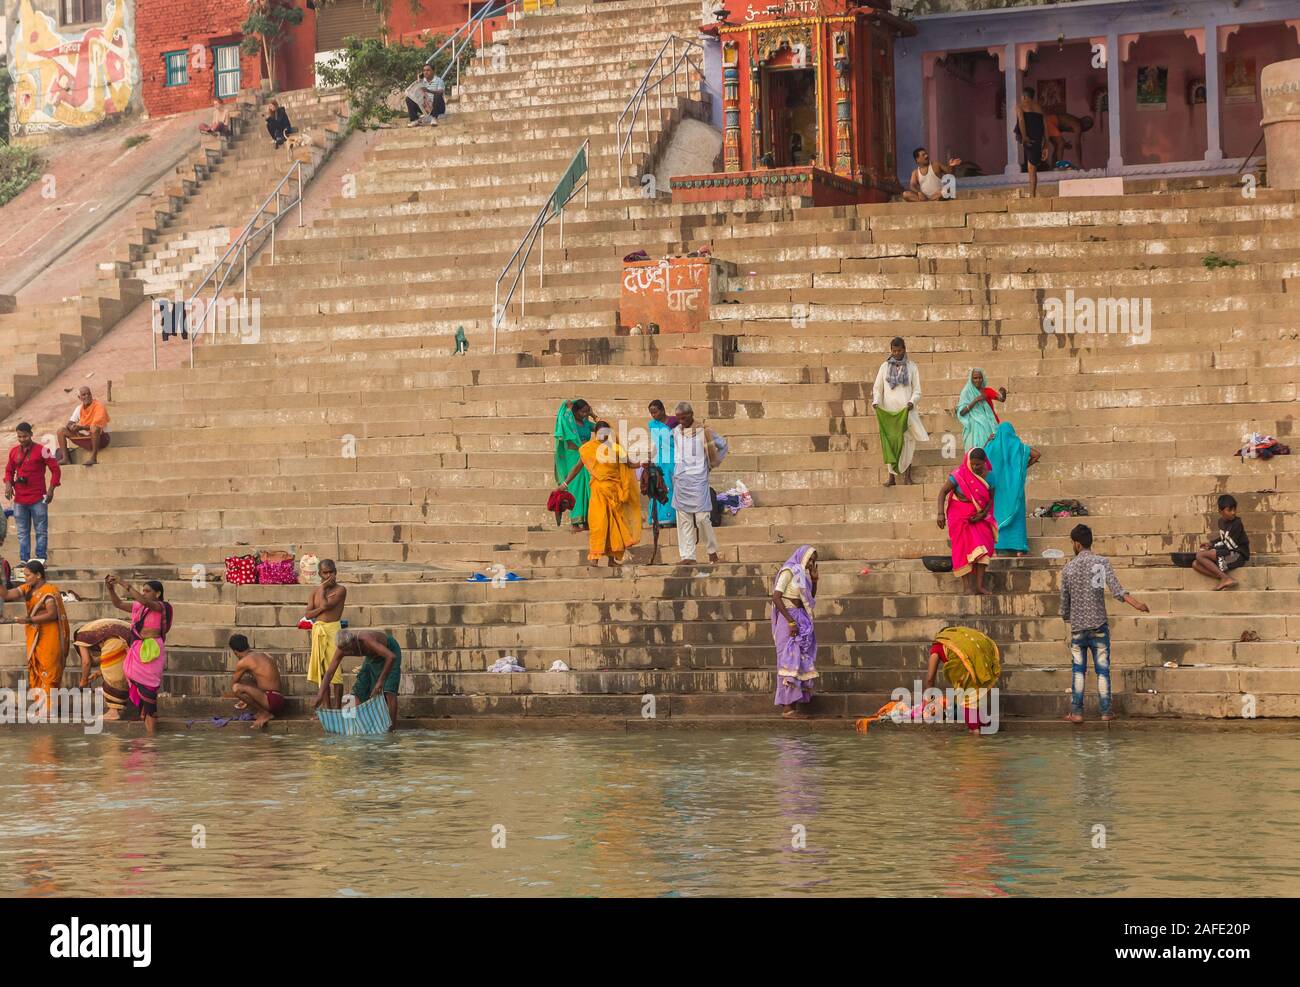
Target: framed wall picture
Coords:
[(1152, 87), (1051, 95), (1239, 80)]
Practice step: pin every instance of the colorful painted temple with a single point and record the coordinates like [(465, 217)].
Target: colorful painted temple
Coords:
[(807, 101), (829, 98)]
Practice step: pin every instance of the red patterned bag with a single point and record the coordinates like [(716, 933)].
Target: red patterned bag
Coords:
[(277, 573), (241, 570)]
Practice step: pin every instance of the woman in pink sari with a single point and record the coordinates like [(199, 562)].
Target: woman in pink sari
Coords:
[(146, 657), (966, 506)]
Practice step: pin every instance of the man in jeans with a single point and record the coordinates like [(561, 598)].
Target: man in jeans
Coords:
[(1084, 582), (25, 486)]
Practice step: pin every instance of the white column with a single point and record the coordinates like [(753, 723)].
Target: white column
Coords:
[(1011, 75), (1114, 100), (1213, 133)]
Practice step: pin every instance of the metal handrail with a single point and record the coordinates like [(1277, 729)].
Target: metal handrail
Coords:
[(237, 252), (462, 35), (636, 105), (538, 230)]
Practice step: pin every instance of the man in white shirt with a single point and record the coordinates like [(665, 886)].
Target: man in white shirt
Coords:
[(927, 177), (898, 386), (424, 98), (696, 453)]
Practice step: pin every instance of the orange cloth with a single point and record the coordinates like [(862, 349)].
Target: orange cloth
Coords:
[(614, 512), (93, 414), (47, 644)]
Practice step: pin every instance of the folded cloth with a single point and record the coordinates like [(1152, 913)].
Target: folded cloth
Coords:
[(507, 664), (636, 255), (558, 666), (305, 624)]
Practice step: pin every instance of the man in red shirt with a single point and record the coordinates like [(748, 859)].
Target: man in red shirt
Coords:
[(25, 486)]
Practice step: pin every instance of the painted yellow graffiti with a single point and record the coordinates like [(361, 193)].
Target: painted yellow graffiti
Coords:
[(71, 80)]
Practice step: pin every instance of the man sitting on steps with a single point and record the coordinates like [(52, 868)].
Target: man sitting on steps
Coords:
[(87, 428), (264, 691)]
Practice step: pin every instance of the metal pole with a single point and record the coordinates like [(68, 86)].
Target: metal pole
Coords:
[(153, 336), (541, 260), (273, 225), (496, 312), (244, 280), (299, 193), (674, 37), (618, 148)]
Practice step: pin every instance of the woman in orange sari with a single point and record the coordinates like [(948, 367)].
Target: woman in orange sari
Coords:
[(48, 636), (614, 511)]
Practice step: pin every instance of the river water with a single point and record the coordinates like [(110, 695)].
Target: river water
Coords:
[(900, 811)]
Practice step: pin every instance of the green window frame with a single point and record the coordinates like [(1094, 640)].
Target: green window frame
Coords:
[(178, 67)]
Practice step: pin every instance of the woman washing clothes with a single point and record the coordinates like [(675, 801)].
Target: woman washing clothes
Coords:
[(573, 427)]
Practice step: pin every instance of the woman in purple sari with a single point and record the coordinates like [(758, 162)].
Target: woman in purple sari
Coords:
[(793, 599)]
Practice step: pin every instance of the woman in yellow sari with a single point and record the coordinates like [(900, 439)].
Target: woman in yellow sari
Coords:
[(614, 511), (48, 635)]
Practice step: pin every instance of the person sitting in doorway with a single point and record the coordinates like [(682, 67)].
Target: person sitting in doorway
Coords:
[(927, 177), (87, 428), (277, 123), (220, 122)]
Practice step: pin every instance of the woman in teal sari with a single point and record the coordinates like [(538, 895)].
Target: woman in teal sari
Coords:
[(662, 454), (574, 425), (975, 410), (1010, 459)]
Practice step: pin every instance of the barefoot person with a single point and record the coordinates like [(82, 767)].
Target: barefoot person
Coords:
[(87, 428), (966, 507), (1227, 552), (793, 598), (1031, 133), (697, 452), (894, 398), (146, 657), (104, 642), (264, 691), (1084, 582), (927, 177), (614, 505), (380, 672), (971, 663), (325, 612), (48, 638)]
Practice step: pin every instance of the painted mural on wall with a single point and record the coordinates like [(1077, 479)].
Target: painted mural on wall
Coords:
[(68, 79)]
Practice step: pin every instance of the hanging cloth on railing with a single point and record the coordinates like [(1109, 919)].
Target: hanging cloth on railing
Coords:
[(569, 181)]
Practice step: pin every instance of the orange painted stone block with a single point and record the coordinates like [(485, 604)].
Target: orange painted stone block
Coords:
[(674, 293)]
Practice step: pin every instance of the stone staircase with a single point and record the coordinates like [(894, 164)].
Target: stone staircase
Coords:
[(351, 431)]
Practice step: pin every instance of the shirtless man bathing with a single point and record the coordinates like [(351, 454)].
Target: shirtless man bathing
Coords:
[(264, 691)]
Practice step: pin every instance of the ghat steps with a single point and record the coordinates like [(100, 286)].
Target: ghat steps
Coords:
[(452, 457)]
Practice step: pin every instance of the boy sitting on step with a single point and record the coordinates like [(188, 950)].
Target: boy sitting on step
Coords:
[(1230, 551)]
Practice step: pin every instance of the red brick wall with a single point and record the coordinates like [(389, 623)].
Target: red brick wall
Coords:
[(171, 25)]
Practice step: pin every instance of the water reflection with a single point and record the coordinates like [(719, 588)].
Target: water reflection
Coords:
[(897, 812)]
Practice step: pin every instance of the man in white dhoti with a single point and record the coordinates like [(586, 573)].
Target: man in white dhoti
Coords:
[(696, 453), (898, 389)]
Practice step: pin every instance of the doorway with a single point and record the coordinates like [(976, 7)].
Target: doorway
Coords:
[(790, 97)]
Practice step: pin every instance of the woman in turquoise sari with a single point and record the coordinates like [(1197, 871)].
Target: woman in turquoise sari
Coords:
[(574, 425), (1010, 459), (662, 455), (975, 410)]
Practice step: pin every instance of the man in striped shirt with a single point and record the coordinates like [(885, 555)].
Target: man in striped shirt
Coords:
[(1084, 582)]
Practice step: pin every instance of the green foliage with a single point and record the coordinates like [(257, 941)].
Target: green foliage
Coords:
[(135, 141), (1214, 260), (19, 167), (6, 104), (371, 71), (267, 28)]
